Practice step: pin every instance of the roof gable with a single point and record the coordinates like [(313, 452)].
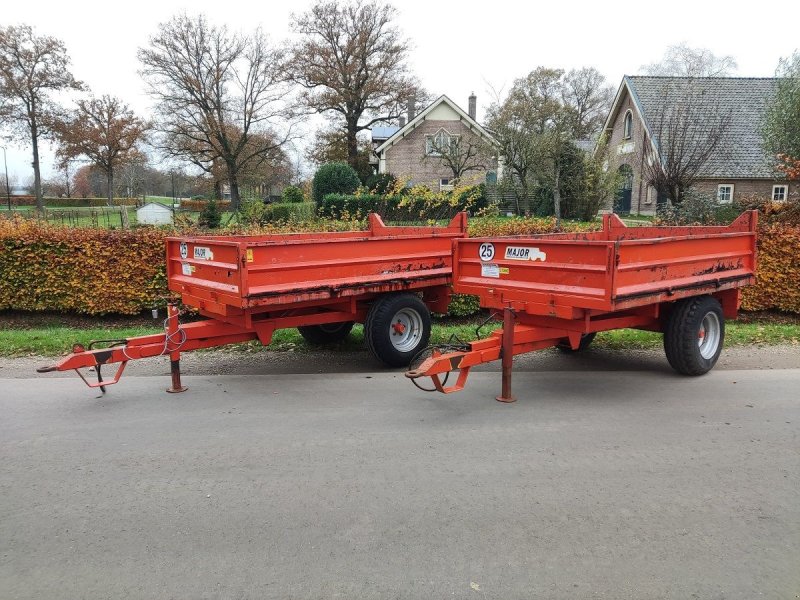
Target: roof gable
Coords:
[(741, 154), (438, 110)]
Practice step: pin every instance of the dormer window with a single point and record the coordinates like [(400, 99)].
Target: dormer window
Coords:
[(440, 143), (627, 128)]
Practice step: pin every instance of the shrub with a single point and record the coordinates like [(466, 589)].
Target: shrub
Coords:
[(199, 205), (210, 217), (334, 178), (82, 270), (381, 183), (251, 212), (463, 305), (288, 212), (339, 206), (778, 277), (697, 209), (292, 193)]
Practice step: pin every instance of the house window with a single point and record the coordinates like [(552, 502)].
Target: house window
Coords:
[(725, 193), (651, 194), (627, 130), (445, 184), (779, 192), (440, 143)]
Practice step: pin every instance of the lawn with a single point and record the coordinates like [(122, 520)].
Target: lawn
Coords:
[(54, 339)]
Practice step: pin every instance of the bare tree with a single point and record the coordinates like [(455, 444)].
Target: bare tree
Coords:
[(219, 96), (458, 153), (681, 60), (103, 130), (31, 69), (688, 127), (352, 61)]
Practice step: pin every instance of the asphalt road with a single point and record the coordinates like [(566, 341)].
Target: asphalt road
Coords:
[(625, 484)]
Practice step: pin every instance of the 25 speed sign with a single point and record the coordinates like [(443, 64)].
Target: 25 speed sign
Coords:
[(486, 251)]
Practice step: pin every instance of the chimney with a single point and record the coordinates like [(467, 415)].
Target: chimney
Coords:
[(402, 121), (472, 109), (412, 109)]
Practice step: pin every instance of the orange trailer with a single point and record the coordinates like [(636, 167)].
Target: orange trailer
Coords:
[(389, 278), (560, 290)]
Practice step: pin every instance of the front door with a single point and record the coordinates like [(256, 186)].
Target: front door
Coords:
[(622, 205)]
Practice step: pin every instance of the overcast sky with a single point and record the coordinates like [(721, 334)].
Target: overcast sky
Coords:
[(458, 46)]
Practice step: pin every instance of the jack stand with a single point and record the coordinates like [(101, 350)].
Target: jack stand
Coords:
[(175, 371), (175, 356), (507, 355)]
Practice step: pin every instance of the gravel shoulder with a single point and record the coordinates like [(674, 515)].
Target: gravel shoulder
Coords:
[(221, 362)]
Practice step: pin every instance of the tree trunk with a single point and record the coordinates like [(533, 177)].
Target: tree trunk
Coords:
[(557, 195), (233, 181), (352, 145), (217, 189), (110, 178), (37, 175)]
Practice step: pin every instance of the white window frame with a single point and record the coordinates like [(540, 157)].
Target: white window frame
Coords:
[(719, 193), (785, 189), (445, 187), (627, 132), (651, 192)]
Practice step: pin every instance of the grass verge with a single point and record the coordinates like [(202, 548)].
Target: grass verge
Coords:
[(55, 340)]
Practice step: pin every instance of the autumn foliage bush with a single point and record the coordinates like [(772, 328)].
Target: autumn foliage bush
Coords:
[(82, 270), (98, 271)]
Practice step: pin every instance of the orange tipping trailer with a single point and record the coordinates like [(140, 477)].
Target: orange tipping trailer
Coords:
[(561, 289), (389, 278)]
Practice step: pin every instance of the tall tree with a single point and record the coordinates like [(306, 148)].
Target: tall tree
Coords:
[(219, 96), (32, 68), (534, 128), (106, 132), (352, 62), (330, 145), (588, 94), (782, 123), (680, 60)]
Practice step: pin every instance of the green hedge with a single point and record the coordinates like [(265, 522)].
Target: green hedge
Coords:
[(288, 211), (72, 202)]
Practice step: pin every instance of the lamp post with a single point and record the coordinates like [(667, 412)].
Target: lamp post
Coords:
[(8, 189)]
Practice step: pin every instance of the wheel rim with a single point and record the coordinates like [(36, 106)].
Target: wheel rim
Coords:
[(405, 330), (709, 336)]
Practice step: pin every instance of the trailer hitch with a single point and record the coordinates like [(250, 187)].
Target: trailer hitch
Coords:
[(505, 343)]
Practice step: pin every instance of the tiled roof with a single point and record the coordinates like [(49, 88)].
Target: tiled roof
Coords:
[(741, 154)]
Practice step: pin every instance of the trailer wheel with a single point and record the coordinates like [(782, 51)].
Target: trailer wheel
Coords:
[(586, 340), (397, 327), (326, 333), (694, 335)]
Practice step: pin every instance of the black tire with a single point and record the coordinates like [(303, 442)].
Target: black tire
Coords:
[(586, 341), (327, 333), (397, 327), (694, 335)]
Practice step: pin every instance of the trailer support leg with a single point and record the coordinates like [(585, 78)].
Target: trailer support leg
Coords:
[(507, 355), (175, 356)]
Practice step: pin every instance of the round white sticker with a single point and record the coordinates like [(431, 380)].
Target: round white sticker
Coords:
[(184, 250), (486, 251)]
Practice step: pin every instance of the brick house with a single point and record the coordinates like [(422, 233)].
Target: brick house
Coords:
[(739, 166), (423, 150)]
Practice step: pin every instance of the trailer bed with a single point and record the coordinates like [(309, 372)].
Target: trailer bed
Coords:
[(228, 275), (616, 268)]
